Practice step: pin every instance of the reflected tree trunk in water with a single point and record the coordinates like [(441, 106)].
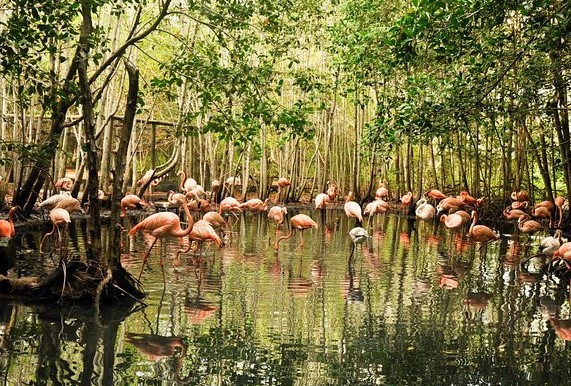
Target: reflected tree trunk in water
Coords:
[(98, 336), (90, 349), (49, 353), (95, 336), (109, 339)]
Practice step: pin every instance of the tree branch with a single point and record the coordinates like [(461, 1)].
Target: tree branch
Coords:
[(121, 50)]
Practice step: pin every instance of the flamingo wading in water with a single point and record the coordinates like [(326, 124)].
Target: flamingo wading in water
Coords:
[(161, 225), (202, 231), (131, 201), (480, 233), (300, 222), (277, 213), (352, 209), (59, 217), (424, 210), (358, 236)]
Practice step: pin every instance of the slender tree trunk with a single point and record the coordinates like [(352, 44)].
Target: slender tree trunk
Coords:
[(264, 184), (246, 172), (558, 109), (105, 122), (329, 135), (540, 156), (121, 165), (433, 164), (355, 161), (31, 187), (409, 165), (421, 167), (90, 142), (461, 165)]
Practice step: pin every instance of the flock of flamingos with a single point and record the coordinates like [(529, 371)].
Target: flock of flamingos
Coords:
[(455, 212)]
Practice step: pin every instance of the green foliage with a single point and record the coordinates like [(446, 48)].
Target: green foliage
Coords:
[(27, 153), (236, 74), (441, 63), (32, 31)]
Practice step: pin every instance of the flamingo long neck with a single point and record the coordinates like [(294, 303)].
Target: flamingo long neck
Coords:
[(11, 214), (182, 179), (216, 238), (277, 245), (11, 220), (169, 197), (189, 218), (474, 221), (183, 232)]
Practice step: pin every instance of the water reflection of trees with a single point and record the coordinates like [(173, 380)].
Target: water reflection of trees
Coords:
[(62, 349), (249, 316)]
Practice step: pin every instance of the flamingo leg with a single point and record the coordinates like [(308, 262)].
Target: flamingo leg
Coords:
[(164, 278), (46, 235), (176, 258), (146, 257), (61, 243), (301, 236), (199, 247)]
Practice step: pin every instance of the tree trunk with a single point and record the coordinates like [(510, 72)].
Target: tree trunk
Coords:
[(463, 177), (246, 172), (94, 221), (541, 159), (121, 165), (28, 193), (264, 180), (558, 109)]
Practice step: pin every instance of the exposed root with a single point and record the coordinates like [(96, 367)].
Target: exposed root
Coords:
[(76, 280)]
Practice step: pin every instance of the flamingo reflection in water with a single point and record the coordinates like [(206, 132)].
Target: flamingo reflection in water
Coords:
[(199, 311), (157, 347), (475, 303), (351, 291), (562, 327), (196, 308), (350, 285)]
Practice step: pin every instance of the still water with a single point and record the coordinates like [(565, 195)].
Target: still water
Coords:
[(416, 305)]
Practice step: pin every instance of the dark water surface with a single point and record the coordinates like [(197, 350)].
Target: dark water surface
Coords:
[(415, 306)]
